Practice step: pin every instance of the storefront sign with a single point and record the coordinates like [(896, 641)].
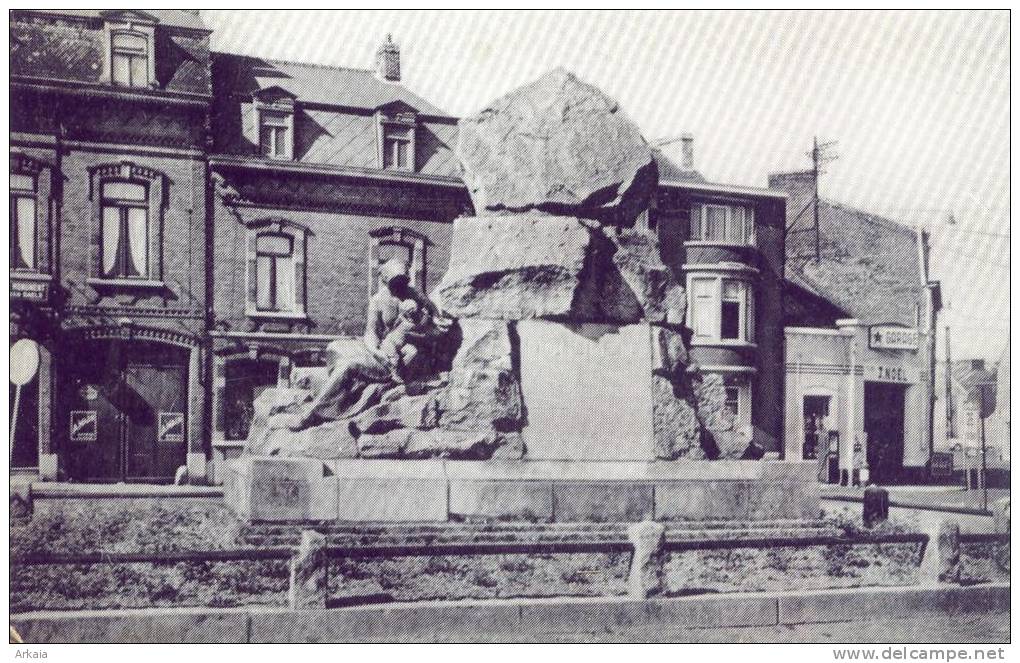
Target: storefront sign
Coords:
[(84, 426), (891, 337), (891, 373), (171, 426), (35, 291)]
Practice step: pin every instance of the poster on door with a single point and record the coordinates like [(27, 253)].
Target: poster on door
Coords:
[(171, 427), (84, 425)]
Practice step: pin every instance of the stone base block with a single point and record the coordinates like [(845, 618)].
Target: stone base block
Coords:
[(293, 489), (603, 502), (281, 489), (392, 500), (502, 500), (196, 464)]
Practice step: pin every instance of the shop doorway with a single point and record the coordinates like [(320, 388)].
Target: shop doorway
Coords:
[(126, 412), (883, 425)]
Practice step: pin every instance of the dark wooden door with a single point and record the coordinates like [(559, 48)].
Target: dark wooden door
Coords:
[(127, 413), (155, 420), (883, 422)]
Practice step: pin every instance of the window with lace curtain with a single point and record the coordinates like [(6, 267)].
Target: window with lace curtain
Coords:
[(125, 230), (24, 231)]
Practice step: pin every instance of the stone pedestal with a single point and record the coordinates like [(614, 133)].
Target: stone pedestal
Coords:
[(588, 391)]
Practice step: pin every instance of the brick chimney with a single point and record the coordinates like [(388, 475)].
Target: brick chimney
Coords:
[(801, 182), (687, 151), (387, 61)]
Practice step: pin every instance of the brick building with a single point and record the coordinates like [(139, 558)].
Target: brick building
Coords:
[(726, 246), (108, 129), (320, 174), (860, 319), (188, 227)]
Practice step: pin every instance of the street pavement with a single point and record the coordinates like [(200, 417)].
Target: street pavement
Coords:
[(958, 629)]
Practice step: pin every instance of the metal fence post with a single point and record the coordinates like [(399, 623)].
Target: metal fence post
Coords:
[(646, 566), (309, 580)]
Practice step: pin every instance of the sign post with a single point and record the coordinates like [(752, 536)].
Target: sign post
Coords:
[(24, 366), (987, 407)]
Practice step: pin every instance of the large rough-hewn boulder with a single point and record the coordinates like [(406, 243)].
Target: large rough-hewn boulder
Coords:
[(557, 145), (514, 267)]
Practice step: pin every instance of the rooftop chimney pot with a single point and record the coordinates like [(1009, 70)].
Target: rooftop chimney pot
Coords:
[(687, 145), (387, 60)]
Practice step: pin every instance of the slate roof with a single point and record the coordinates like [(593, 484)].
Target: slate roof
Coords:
[(178, 18), (869, 264), (316, 84)]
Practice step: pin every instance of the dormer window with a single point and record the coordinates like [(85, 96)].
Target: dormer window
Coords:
[(397, 142), (397, 123), (274, 123), (129, 59), (130, 37), (274, 135)]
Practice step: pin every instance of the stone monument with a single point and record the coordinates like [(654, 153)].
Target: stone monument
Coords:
[(550, 377)]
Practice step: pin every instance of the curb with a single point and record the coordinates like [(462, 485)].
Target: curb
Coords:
[(505, 620)]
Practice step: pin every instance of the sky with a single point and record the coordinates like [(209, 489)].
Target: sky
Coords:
[(918, 102)]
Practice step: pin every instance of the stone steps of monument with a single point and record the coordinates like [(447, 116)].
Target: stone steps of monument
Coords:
[(568, 532), (499, 527)]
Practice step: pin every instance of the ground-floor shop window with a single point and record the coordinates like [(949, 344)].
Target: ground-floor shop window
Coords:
[(246, 379), (25, 449)]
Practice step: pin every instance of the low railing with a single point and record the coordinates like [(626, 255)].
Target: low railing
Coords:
[(917, 506), (456, 549), (309, 562)]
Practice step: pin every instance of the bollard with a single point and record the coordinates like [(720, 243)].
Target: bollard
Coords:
[(876, 505), (1000, 520), (309, 582), (1000, 515), (646, 566), (941, 563)]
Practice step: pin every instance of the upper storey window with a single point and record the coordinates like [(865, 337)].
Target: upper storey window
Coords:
[(125, 230), (274, 135), (397, 142), (397, 128), (130, 38), (24, 235), (129, 58), (274, 123), (724, 224)]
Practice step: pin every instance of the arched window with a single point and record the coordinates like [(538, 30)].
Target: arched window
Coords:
[(129, 59), (274, 282), (276, 269), (400, 243)]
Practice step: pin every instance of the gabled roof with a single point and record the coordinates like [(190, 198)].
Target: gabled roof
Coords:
[(176, 18), (314, 83)]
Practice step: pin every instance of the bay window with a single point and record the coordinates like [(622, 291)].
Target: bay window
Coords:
[(725, 224), (720, 309), (125, 230), (24, 234)]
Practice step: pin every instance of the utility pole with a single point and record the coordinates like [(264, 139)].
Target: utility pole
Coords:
[(950, 413), (819, 157)]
